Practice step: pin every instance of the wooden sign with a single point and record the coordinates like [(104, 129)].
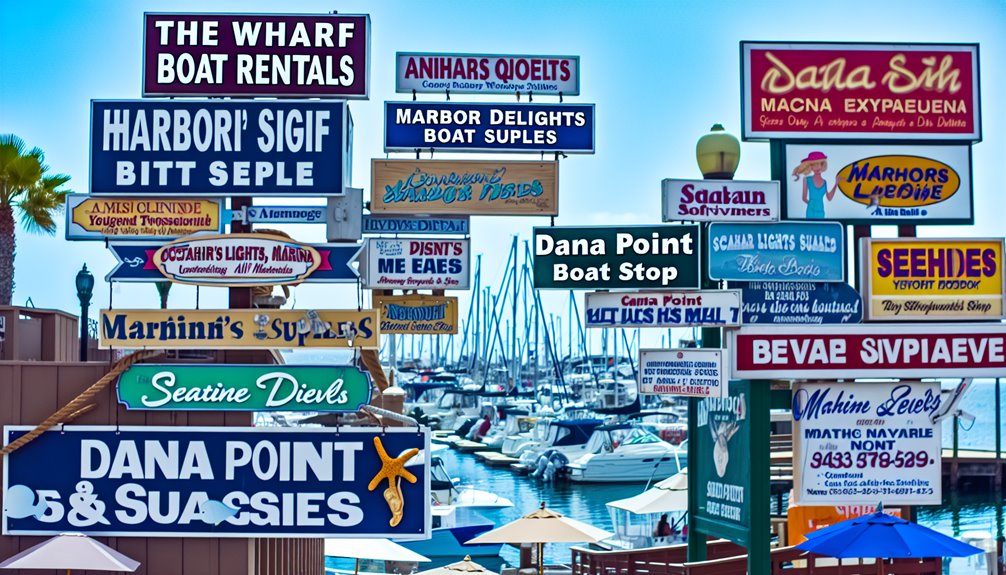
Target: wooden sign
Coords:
[(416, 313)]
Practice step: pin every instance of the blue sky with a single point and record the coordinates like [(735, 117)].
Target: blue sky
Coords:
[(661, 73)]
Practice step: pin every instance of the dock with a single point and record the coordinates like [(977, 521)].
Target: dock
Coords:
[(495, 458)]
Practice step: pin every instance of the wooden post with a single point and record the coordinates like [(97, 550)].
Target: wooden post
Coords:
[(239, 297)]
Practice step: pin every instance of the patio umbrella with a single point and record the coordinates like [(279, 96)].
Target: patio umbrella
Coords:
[(883, 536), (666, 496), (466, 566), (71, 551), (543, 526), (376, 549)]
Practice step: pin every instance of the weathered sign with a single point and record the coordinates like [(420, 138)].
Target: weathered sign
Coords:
[(256, 55), (684, 372), (417, 314), (404, 224), (710, 308), (781, 303), (612, 257), (99, 219), (248, 328), (393, 263), (786, 251), (473, 187), (426, 72), (720, 201)]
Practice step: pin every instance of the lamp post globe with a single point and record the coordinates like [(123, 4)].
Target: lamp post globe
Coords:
[(718, 154), (85, 289)]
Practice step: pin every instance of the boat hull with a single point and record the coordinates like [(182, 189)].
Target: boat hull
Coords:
[(447, 542)]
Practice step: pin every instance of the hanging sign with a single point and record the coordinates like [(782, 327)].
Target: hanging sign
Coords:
[(720, 201), (867, 442), (706, 308), (404, 224), (472, 187), (869, 351), (684, 372), (782, 303), (426, 72), (909, 279), (850, 91), (786, 251), (248, 328), (611, 257), (181, 387), (137, 481), (217, 148), (283, 214), (477, 127), (236, 260), (417, 314), (870, 185), (416, 264), (256, 55), (136, 262), (99, 219)]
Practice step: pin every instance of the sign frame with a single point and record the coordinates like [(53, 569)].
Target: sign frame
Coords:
[(716, 355), (77, 232), (794, 288), (670, 187), (380, 302), (369, 265), (839, 237), (233, 280), (462, 222), (399, 77), (248, 215), (722, 306)]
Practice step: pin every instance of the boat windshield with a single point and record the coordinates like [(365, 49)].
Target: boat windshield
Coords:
[(640, 437)]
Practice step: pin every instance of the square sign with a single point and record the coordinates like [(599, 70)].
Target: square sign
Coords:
[(684, 372)]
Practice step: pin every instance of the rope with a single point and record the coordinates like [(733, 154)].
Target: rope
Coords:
[(78, 405), (373, 364)]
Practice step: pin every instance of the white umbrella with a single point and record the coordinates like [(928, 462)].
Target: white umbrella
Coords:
[(466, 566), (71, 551), (376, 549), (666, 496)]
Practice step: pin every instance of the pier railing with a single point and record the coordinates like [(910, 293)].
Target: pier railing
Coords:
[(726, 558)]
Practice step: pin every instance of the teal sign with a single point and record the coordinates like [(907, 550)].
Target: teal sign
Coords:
[(783, 251), (244, 388)]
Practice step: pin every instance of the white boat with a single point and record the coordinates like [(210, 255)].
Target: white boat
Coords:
[(452, 528), (517, 421), (626, 453), (447, 490), (636, 519), (548, 433), (570, 437)]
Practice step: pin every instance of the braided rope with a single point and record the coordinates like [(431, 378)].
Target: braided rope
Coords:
[(372, 362), (78, 405)]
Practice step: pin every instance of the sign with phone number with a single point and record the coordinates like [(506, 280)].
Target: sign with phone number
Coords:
[(867, 442)]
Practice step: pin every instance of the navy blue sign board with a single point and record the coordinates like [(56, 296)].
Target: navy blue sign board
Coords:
[(136, 263), (452, 225), (477, 127), (214, 482), (788, 303), (217, 148)]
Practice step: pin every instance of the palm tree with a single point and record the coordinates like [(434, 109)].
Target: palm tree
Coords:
[(25, 184)]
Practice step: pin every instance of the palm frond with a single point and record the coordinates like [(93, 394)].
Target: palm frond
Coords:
[(41, 202)]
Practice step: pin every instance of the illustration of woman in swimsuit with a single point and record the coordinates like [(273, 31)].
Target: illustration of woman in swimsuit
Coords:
[(815, 187)]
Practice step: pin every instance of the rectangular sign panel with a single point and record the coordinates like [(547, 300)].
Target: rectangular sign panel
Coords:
[(477, 127), (871, 185), (908, 279), (256, 55), (609, 257), (709, 308), (785, 251), (417, 313), (473, 187), (129, 481), (720, 201), (859, 443), (216, 387), (284, 214), (217, 148), (799, 302), (404, 224), (99, 219), (685, 372), (426, 72), (416, 263), (850, 91), (869, 351), (248, 328)]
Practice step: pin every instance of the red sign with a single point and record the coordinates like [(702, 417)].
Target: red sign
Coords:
[(854, 91), (874, 351)]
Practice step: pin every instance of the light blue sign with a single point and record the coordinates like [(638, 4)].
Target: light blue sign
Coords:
[(415, 225), (784, 251)]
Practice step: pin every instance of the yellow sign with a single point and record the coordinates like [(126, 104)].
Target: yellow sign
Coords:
[(246, 328), (898, 181), (91, 218), (804, 519), (418, 314), (913, 279)]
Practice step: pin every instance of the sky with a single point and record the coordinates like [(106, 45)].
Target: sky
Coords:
[(660, 73)]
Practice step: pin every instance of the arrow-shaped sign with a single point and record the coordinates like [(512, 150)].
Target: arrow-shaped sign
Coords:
[(136, 263)]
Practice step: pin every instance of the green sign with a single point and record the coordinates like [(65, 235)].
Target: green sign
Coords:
[(244, 388), (613, 257)]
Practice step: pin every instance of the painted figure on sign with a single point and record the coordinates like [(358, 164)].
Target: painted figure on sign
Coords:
[(815, 187), (722, 432), (393, 469)]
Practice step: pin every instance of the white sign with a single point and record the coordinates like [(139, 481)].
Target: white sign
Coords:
[(236, 259), (425, 72), (686, 372), (283, 214), (710, 308), (417, 264), (857, 443), (720, 201)]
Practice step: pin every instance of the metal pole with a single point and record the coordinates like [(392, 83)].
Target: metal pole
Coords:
[(84, 306)]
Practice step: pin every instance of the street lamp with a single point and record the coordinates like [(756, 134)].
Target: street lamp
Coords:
[(85, 288), (718, 154)]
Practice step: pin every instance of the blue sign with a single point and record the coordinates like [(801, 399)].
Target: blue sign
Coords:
[(217, 482), (415, 225), (284, 214), (136, 263), (784, 251), (471, 127), (217, 148), (786, 303)]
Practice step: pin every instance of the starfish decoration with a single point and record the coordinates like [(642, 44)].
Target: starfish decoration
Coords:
[(393, 469)]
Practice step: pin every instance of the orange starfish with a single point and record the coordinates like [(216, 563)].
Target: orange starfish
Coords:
[(393, 469)]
